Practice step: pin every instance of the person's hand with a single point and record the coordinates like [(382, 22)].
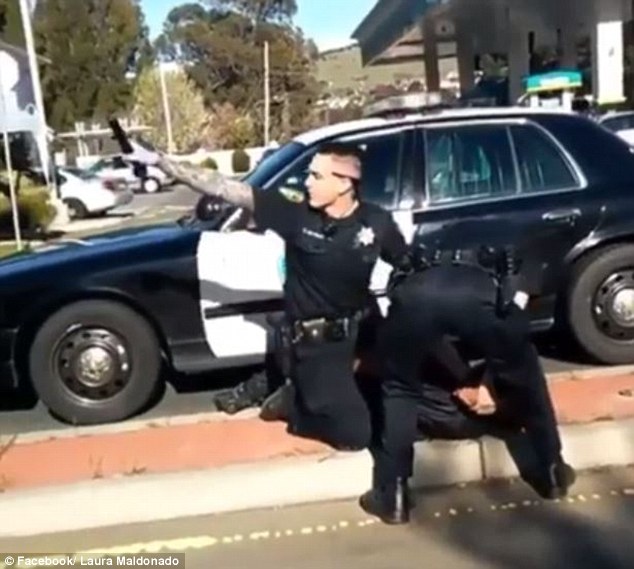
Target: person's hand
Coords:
[(521, 299), (468, 396), (476, 399)]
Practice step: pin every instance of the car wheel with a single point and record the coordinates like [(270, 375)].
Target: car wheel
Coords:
[(600, 308), (151, 185), (95, 361), (76, 208)]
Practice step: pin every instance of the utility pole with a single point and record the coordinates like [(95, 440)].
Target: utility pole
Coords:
[(26, 11), (166, 108), (267, 94)]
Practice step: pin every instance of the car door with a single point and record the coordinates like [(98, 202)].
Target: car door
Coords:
[(506, 182)]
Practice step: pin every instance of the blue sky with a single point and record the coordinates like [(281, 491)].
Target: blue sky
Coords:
[(329, 22)]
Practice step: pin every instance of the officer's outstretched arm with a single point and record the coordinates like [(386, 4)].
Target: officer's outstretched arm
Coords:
[(199, 179), (209, 182)]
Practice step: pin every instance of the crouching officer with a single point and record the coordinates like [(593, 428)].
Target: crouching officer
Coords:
[(476, 297), (333, 241)]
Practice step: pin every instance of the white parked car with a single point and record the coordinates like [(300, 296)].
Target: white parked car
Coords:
[(150, 180), (86, 194)]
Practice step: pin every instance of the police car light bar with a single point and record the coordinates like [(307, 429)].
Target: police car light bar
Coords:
[(405, 104)]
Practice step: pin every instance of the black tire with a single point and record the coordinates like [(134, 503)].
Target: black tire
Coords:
[(107, 327), (77, 209), (590, 318)]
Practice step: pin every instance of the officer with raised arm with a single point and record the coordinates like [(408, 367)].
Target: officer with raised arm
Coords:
[(333, 242)]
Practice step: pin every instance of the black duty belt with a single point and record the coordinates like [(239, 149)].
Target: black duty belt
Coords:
[(320, 330), (464, 257), (499, 265)]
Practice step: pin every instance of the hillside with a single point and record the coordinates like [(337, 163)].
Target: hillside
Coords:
[(342, 70)]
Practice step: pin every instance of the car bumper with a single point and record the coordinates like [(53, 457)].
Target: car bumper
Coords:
[(8, 373)]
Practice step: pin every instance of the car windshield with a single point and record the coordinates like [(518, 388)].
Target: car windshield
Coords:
[(271, 165), (79, 173)]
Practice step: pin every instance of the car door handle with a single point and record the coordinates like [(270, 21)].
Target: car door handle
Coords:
[(562, 215)]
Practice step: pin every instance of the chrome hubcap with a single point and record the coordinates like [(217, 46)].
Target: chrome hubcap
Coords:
[(92, 363), (94, 366), (623, 306), (613, 306)]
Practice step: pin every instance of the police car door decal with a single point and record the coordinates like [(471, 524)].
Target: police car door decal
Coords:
[(237, 268)]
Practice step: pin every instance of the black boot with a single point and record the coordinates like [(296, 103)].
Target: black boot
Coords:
[(556, 480), (249, 393), (278, 405), (389, 502)]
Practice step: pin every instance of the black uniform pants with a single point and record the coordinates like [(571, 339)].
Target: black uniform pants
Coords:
[(330, 405), (456, 301)]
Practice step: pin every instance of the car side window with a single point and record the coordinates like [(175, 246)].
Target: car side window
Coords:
[(542, 167), (380, 181), (619, 122), (469, 163), (381, 160)]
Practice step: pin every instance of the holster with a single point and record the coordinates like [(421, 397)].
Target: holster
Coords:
[(282, 344), (324, 330)]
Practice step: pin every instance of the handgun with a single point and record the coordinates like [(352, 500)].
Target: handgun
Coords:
[(120, 136)]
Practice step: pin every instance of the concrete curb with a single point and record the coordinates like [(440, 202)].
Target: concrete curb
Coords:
[(284, 482)]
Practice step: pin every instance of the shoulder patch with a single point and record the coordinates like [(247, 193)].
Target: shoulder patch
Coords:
[(294, 196)]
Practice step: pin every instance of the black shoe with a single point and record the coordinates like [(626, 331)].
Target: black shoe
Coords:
[(246, 394), (559, 477), (390, 503), (278, 405)]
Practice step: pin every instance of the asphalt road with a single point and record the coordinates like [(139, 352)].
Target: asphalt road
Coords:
[(495, 525)]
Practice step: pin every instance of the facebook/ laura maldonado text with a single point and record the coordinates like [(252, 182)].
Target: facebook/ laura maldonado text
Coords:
[(138, 560)]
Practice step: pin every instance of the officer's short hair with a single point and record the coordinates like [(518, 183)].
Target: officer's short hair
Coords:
[(343, 150)]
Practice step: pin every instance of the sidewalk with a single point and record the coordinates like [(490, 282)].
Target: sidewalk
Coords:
[(201, 464)]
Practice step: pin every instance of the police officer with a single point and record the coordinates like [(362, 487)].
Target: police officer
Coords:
[(333, 242), (471, 296)]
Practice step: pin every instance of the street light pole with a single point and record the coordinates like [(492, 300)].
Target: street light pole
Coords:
[(166, 108), (267, 94), (25, 13)]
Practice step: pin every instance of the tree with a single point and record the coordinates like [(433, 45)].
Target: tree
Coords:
[(92, 52), (230, 128), (223, 47), (190, 119), (11, 30)]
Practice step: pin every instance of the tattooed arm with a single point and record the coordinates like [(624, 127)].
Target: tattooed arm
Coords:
[(209, 182)]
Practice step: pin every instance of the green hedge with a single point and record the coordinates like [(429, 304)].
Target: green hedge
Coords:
[(240, 161), (210, 163), (35, 211)]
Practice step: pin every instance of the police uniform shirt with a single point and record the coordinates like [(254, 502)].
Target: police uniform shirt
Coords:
[(329, 262)]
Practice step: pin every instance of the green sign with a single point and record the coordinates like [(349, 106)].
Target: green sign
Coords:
[(553, 81)]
